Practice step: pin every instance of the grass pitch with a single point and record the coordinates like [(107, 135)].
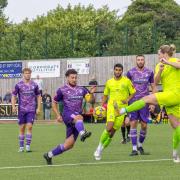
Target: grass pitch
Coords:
[(79, 163)]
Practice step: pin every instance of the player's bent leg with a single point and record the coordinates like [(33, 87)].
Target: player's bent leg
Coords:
[(176, 136), (21, 137), (68, 144), (174, 121), (105, 140), (137, 105), (79, 125)]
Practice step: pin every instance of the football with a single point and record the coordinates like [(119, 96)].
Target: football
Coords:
[(99, 113)]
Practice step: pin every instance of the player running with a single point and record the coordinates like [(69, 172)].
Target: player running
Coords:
[(168, 72), (27, 91), (118, 88), (72, 97)]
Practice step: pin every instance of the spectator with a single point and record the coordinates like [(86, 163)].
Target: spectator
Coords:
[(39, 82), (7, 97), (44, 100), (93, 81), (154, 111), (47, 107)]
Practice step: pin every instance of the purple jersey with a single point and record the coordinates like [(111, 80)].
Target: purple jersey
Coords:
[(27, 94), (141, 81), (72, 98)]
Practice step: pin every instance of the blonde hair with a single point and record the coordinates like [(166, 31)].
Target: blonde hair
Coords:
[(26, 70), (169, 49)]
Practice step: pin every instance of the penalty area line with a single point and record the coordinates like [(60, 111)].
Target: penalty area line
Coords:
[(85, 164)]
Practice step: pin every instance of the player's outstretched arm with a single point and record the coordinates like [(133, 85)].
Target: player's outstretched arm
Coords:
[(55, 109)]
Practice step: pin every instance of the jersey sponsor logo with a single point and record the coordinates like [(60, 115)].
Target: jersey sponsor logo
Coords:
[(140, 81), (75, 97)]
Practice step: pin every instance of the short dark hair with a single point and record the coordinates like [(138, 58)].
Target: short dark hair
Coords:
[(70, 71), (118, 65), (140, 55), (26, 70)]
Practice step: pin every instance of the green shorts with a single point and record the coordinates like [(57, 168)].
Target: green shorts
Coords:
[(111, 117), (171, 101)]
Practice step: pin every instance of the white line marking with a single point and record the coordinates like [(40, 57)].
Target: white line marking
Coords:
[(81, 164)]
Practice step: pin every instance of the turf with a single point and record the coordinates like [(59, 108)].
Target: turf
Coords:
[(46, 137)]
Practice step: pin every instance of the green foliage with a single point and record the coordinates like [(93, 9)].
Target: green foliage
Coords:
[(85, 31), (157, 22)]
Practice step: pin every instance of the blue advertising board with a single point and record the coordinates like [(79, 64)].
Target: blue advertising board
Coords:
[(11, 70)]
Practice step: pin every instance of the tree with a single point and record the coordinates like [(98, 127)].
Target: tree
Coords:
[(151, 23), (3, 4)]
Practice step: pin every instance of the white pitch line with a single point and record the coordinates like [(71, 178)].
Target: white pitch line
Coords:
[(81, 164)]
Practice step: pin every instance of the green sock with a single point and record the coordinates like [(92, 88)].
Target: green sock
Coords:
[(137, 105), (176, 137), (107, 142), (104, 136)]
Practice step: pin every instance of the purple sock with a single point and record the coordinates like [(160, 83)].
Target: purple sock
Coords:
[(21, 140), (133, 134), (28, 139), (58, 150), (142, 136), (79, 126)]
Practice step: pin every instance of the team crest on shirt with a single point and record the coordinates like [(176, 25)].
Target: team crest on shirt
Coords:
[(80, 91)]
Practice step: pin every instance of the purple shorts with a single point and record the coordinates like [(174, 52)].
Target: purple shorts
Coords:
[(26, 117), (70, 126), (141, 115)]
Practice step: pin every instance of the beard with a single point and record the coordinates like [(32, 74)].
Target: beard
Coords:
[(73, 85), (117, 75), (140, 66)]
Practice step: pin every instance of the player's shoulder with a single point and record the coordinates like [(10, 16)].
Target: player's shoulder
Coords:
[(132, 70), (148, 70), (125, 78), (20, 83), (63, 88), (174, 60), (110, 81), (34, 83)]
